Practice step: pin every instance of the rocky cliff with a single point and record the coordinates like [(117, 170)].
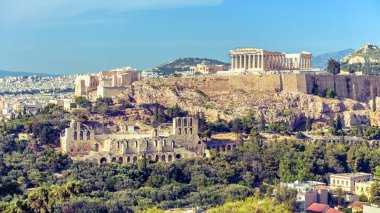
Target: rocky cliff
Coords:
[(229, 99)]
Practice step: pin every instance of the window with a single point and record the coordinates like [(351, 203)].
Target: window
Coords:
[(179, 122), (185, 122), (191, 122), (155, 143), (191, 131), (180, 131), (136, 144), (185, 131), (88, 135)]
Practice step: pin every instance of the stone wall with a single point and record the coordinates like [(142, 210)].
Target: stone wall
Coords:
[(360, 88)]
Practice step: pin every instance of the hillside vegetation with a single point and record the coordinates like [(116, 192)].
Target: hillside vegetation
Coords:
[(366, 59), (184, 64)]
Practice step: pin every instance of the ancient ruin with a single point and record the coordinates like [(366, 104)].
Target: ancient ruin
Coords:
[(109, 142)]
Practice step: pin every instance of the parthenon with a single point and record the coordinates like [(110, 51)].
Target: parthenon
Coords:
[(252, 59)]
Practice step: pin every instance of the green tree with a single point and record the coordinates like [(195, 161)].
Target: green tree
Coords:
[(285, 195), (333, 67), (377, 172), (82, 102), (375, 193), (308, 124)]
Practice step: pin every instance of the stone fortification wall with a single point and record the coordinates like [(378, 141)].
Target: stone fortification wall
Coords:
[(360, 88)]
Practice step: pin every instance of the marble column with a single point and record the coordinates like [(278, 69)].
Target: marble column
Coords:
[(240, 61), (232, 62)]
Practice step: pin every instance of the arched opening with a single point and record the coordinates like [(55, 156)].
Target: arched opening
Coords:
[(199, 142), (88, 135), (113, 159), (136, 144), (103, 160), (134, 159), (81, 135), (97, 147), (164, 143), (118, 145), (120, 160), (149, 157), (178, 156), (157, 158), (228, 147), (127, 144), (147, 144), (155, 143), (163, 158), (75, 136), (173, 144), (170, 158), (128, 159), (223, 148)]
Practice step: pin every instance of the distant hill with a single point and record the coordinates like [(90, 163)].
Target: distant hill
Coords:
[(16, 74), (320, 61), (184, 64), (365, 59)]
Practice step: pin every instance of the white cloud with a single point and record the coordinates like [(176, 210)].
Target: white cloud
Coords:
[(22, 10)]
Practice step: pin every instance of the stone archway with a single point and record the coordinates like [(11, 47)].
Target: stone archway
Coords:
[(157, 158), (134, 159), (113, 159), (103, 160), (149, 157), (170, 158), (163, 158), (121, 160), (128, 159), (177, 156)]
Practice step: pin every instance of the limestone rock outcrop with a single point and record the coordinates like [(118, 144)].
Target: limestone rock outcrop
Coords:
[(231, 101)]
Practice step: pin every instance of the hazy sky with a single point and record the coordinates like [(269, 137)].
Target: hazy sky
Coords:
[(79, 36)]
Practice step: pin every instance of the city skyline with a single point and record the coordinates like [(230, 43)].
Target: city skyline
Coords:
[(70, 37)]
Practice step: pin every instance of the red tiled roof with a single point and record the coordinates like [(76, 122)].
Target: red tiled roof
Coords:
[(318, 207), (332, 210)]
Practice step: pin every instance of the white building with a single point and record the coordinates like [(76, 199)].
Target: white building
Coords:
[(309, 192)]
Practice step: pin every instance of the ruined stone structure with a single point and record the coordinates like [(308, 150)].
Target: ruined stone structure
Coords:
[(96, 142), (106, 83), (260, 60), (207, 69)]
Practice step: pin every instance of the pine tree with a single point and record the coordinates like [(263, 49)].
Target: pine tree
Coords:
[(308, 124), (374, 104)]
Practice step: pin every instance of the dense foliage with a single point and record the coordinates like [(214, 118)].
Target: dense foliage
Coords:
[(36, 177)]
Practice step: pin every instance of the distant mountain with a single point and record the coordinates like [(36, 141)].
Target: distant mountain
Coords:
[(365, 59), (320, 61), (16, 74), (184, 64)]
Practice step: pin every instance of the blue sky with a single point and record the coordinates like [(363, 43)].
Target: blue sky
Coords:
[(80, 36)]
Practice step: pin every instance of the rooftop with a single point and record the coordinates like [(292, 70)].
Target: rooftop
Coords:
[(351, 175)]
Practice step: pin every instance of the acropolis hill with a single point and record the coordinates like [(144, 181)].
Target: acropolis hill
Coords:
[(360, 88)]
